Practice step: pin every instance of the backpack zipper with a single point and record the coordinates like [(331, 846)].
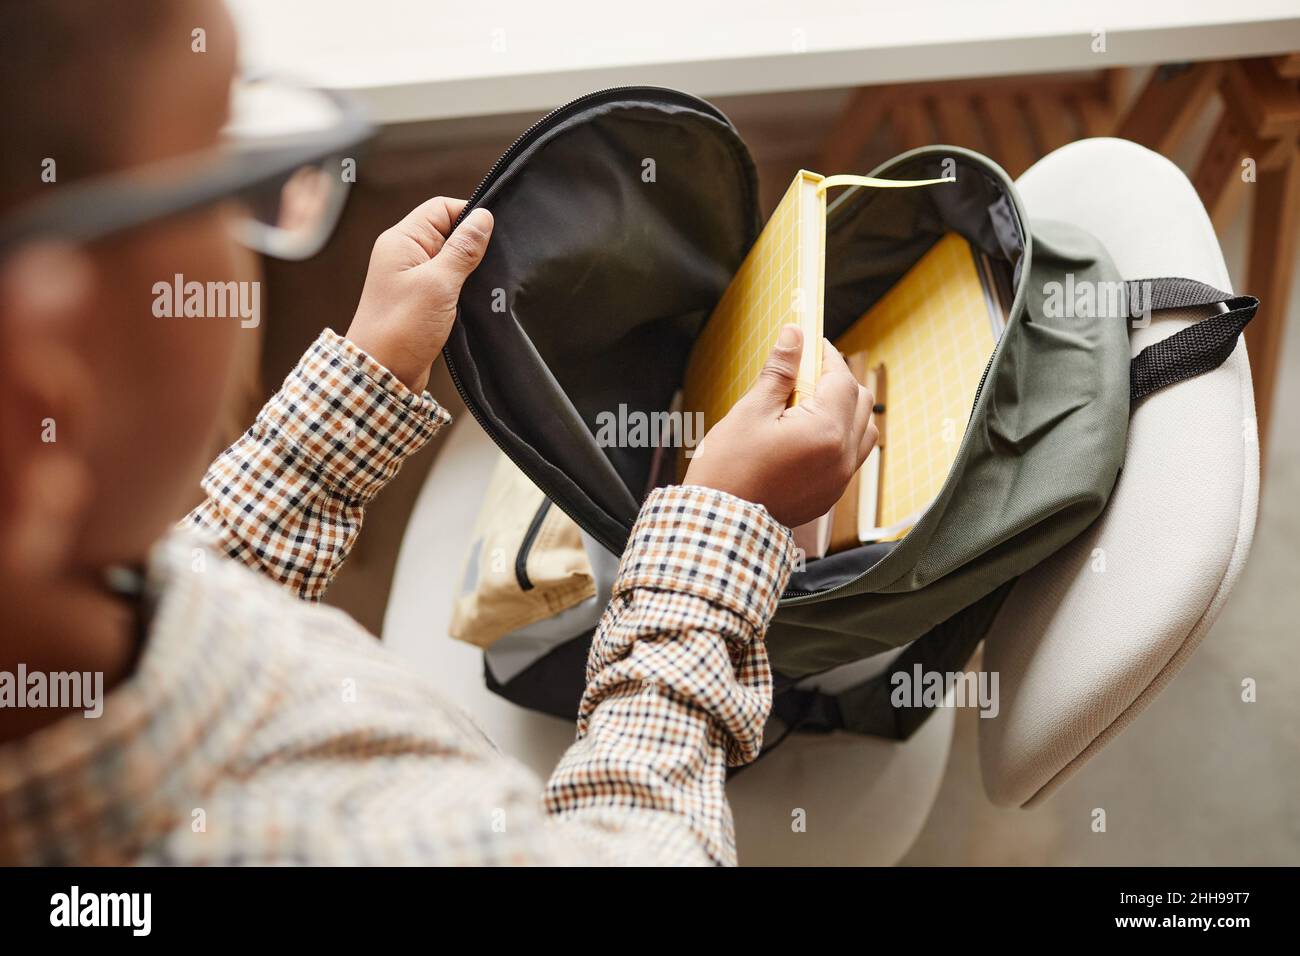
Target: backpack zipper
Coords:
[(571, 107), (526, 545)]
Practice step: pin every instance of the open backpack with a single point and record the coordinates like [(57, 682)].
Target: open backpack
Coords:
[(596, 283)]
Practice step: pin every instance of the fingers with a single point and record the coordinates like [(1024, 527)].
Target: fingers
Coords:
[(771, 392), (453, 207), (462, 252), (869, 439), (839, 392), (832, 361), (837, 389), (861, 413), (429, 223)]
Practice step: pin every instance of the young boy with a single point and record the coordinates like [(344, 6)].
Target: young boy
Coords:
[(242, 722)]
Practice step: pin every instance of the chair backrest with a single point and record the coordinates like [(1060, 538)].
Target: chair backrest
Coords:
[(1087, 639)]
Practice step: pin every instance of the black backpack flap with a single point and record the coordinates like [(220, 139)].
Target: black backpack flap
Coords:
[(620, 219)]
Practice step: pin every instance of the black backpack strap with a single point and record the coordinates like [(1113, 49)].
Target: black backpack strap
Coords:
[(867, 708), (1196, 349)]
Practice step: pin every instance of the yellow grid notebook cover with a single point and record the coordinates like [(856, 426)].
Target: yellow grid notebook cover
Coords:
[(932, 332), (780, 282)]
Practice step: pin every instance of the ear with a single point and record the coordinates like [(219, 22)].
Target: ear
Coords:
[(47, 298)]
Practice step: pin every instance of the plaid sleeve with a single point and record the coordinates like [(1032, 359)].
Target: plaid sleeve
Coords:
[(288, 497), (678, 683)]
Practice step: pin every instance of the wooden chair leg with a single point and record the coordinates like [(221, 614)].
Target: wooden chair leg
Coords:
[(1007, 131), (1288, 64), (1051, 124), (910, 122), (1275, 222), (853, 130), (1169, 104), (958, 122), (1217, 174), (1095, 115)]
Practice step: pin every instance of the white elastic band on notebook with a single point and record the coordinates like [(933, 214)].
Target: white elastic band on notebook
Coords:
[(848, 179)]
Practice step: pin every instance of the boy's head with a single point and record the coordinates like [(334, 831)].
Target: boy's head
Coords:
[(103, 404)]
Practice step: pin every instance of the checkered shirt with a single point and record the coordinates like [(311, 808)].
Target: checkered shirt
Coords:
[(259, 727)]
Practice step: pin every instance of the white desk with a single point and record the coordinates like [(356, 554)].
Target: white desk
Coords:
[(420, 60)]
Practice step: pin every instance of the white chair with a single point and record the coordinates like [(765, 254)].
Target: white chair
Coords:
[(1079, 651)]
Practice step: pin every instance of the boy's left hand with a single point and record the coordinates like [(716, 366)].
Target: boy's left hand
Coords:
[(409, 300)]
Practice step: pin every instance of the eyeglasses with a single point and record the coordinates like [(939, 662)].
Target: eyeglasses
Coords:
[(287, 158)]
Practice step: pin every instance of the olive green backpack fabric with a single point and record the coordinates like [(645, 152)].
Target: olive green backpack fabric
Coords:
[(599, 278)]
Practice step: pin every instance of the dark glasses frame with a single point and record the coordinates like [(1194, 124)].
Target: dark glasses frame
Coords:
[(101, 206)]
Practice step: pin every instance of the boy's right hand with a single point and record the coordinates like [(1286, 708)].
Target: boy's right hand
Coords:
[(413, 284), (795, 462)]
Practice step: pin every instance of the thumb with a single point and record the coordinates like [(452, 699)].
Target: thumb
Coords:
[(463, 250), (777, 379)]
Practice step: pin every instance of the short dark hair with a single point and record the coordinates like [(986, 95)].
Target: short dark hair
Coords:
[(68, 74)]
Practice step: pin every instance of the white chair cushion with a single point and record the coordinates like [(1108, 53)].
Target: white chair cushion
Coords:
[(1088, 638)]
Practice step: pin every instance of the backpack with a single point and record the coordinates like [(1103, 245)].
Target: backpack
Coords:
[(620, 219)]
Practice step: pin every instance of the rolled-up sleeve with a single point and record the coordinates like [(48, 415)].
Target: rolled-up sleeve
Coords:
[(678, 682), (289, 496)]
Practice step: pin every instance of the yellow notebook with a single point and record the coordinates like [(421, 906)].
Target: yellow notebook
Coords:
[(933, 333), (781, 281)]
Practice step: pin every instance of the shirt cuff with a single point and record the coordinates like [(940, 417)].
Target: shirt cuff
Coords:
[(349, 416), (716, 546)]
